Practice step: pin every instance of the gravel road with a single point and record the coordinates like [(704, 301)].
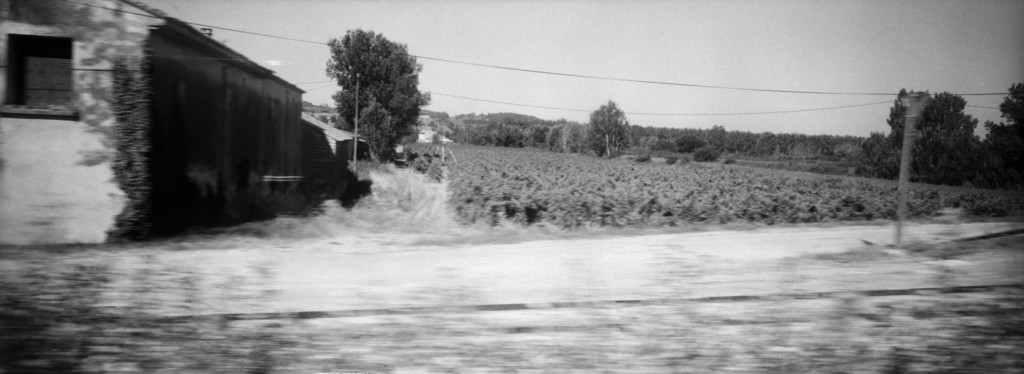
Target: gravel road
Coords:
[(366, 272), (569, 285)]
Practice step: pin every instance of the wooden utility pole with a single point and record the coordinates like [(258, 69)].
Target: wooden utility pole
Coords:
[(607, 147), (355, 137), (914, 103)]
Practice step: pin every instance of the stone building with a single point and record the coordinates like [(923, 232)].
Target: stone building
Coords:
[(118, 118), (326, 152)]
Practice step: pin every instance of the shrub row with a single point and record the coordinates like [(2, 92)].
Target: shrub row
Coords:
[(530, 186)]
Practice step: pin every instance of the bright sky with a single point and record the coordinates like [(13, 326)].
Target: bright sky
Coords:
[(974, 46)]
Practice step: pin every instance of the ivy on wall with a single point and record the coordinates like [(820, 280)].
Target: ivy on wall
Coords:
[(131, 107)]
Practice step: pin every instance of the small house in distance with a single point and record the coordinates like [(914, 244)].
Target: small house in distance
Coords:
[(120, 120), (425, 130), (326, 152), (427, 135)]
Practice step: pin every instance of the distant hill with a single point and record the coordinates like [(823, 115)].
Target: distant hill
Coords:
[(473, 118), (311, 108), (434, 115), (324, 113)]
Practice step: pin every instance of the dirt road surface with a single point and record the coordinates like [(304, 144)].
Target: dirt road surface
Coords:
[(682, 316), (368, 272)]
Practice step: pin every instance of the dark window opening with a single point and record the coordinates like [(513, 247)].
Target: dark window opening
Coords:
[(39, 71)]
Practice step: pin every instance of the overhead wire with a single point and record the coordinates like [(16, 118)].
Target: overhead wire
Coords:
[(768, 112), (195, 23), (314, 82), (630, 113), (320, 88), (676, 83), (537, 71), (662, 114), (982, 106)]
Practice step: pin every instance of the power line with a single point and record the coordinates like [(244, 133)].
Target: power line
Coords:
[(770, 112), (314, 82), (636, 113), (320, 88), (203, 58), (652, 82), (112, 9), (662, 114), (198, 24), (984, 107), (584, 76), (508, 103), (256, 33)]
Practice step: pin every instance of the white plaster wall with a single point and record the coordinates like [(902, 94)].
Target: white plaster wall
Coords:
[(47, 194)]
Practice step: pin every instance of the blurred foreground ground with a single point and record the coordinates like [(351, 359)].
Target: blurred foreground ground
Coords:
[(424, 295), (365, 272), (99, 309)]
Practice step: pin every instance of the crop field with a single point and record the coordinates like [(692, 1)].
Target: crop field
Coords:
[(528, 186)]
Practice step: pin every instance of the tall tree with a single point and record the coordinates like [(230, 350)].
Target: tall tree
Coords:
[(389, 100), (717, 137), (946, 151), (1005, 141), (1013, 108), (896, 120), (608, 133), (879, 157)]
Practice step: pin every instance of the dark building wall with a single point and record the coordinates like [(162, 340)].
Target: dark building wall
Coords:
[(345, 151), (326, 173), (351, 188), (320, 169), (220, 125)]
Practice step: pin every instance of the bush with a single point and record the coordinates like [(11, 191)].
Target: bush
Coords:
[(643, 158), (729, 161), (706, 154), (671, 160), (362, 168), (664, 145), (421, 163), (689, 143), (435, 171), (53, 320), (428, 164)]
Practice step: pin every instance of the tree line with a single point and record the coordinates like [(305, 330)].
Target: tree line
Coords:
[(508, 130), (946, 149)]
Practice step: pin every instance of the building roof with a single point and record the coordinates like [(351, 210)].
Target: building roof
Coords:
[(151, 10), (184, 30), (330, 131)]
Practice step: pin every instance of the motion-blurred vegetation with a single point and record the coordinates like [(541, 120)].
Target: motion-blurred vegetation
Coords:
[(56, 317)]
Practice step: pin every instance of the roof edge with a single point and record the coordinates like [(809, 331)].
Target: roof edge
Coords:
[(185, 29), (146, 7), (182, 29)]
